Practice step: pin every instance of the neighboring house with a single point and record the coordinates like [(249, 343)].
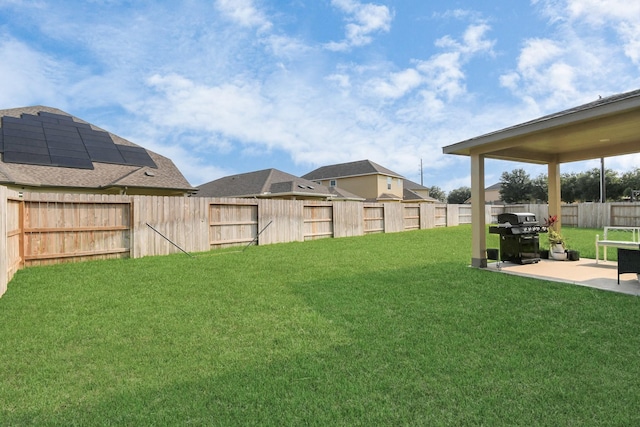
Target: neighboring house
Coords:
[(47, 150), (365, 178), (492, 194), (414, 192), (271, 184)]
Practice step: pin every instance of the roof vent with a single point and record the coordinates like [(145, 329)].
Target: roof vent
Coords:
[(149, 173)]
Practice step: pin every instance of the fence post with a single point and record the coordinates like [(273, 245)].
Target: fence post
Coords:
[(4, 266)]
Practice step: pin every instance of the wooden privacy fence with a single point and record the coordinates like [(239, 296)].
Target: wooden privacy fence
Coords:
[(47, 228)]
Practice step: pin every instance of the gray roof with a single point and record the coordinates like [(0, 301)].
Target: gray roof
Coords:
[(410, 185), (344, 170), (159, 173), (263, 183), (342, 194), (409, 191)]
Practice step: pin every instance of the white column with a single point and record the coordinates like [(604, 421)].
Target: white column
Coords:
[(554, 193), (478, 224)]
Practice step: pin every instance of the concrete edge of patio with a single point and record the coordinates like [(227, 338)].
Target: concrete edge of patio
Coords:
[(584, 272)]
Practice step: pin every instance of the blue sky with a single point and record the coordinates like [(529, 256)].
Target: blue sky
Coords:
[(231, 86)]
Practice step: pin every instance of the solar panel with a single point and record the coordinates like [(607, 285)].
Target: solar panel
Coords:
[(27, 158), (71, 162), (63, 117), (137, 156), (96, 137), (22, 130), (25, 145), (105, 155), (58, 140)]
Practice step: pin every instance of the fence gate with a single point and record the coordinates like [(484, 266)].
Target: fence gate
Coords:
[(373, 219), (412, 217), (56, 230), (232, 225), (318, 222), (627, 215)]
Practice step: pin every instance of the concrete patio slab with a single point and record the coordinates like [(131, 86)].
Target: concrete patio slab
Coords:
[(585, 272)]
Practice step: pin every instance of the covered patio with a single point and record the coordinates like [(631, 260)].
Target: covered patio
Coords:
[(604, 128)]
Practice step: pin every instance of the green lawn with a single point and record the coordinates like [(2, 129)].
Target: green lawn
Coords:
[(391, 329)]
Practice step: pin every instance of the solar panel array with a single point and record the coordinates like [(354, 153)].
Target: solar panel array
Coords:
[(57, 140)]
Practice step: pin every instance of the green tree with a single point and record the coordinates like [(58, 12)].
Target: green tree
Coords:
[(630, 181), (540, 188), (437, 193), (569, 189), (588, 185), (459, 195), (516, 186)]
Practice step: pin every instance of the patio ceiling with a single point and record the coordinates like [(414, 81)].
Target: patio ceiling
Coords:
[(603, 128)]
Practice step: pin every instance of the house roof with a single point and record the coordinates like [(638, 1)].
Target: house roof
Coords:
[(342, 194), (410, 185), (351, 169), (494, 187), (263, 183), (47, 147), (605, 127), (387, 196), (410, 194)]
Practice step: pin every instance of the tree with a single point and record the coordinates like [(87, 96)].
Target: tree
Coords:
[(569, 187), (630, 181), (588, 185), (437, 193), (459, 195), (540, 188), (516, 186)]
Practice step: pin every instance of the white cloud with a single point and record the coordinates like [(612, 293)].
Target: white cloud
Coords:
[(397, 84), (589, 50), (245, 13), (30, 77), (363, 20)]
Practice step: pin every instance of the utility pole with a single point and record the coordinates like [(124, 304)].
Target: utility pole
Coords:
[(421, 174)]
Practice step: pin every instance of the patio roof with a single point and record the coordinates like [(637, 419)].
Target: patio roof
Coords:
[(606, 127), (603, 128)]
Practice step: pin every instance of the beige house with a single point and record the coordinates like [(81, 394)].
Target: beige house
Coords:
[(366, 179), (44, 149), (492, 193)]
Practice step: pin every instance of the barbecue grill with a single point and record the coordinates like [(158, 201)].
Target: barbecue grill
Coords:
[(519, 237)]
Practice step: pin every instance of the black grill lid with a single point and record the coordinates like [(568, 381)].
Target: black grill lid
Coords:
[(517, 218)]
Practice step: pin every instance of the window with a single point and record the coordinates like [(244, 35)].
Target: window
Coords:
[(389, 180), (332, 183)]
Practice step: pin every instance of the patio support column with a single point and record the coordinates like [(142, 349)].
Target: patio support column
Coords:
[(478, 234), (554, 193)]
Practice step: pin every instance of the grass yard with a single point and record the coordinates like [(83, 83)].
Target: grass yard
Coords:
[(390, 329)]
